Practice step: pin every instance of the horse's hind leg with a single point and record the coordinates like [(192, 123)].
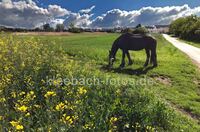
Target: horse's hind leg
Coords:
[(154, 58), (148, 56), (123, 59), (129, 58)]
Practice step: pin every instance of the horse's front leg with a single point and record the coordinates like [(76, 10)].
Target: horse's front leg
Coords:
[(148, 56), (123, 60), (129, 58)]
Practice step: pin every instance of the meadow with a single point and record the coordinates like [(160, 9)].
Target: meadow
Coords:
[(29, 103)]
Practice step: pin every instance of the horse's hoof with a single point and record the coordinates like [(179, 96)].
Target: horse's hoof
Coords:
[(121, 67), (155, 65)]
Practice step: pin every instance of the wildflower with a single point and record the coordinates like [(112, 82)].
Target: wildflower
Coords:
[(17, 125), (22, 93), (1, 118), (60, 106), (49, 94), (27, 114), (37, 106), (13, 94), (89, 125), (82, 90), (2, 100), (69, 119), (127, 125), (23, 108), (113, 120)]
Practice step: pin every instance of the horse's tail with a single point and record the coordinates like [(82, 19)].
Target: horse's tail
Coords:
[(153, 58)]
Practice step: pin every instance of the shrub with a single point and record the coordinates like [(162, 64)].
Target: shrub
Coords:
[(186, 28), (140, 30)]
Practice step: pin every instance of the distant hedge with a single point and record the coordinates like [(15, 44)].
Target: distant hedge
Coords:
[(186, 28)]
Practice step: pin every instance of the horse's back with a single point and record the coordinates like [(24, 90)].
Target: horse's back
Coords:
[(135, 41)]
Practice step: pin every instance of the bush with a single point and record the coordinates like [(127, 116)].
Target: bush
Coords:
[(186, 28), (140, 30)]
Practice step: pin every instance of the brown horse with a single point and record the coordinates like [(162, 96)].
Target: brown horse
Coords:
[(130, 41)]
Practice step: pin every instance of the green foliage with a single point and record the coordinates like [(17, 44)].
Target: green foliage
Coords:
[(74, 29), (47, 28), (60, 27), (127, 30), (140, 30), (186, 28)]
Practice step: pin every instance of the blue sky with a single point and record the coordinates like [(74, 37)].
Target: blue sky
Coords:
[(104, 5), (94, 13)]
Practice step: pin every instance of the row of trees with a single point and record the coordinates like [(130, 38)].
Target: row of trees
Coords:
[(186, 28), (61, 28)]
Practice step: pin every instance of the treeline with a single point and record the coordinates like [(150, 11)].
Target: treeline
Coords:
[(186, 28)]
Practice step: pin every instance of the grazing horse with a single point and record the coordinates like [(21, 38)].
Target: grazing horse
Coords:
[(130, 41)]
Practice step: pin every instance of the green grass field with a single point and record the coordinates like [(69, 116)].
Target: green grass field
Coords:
[(170, 103)]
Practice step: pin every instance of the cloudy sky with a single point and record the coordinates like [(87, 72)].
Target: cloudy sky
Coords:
[(94, 13)]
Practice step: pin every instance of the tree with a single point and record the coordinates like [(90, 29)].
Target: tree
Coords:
[(140, 30), (138, 26), (60, 27), (74, 29), (47, 28), (186, 28)]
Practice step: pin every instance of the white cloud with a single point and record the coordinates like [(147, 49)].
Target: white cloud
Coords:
[(27, 14), (145, 15), (57, 11), (86, 11), (22, 14), (78, 20), (54, 22)]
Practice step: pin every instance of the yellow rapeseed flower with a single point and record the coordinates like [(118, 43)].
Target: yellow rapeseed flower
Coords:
[(23, 108), (1, 118), (69, 120), (49, 94), (28, 114), (2, 100), (60, 106), (113, 120), (82, 90), (17, 125)]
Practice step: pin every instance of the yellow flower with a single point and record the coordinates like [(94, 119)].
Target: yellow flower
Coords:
[(28, 114), (1, 118), (69, 120), (113, 120), (2, 100), (22, 93), (82, 90), (13, 94), (17, 125), (23, 108), (60, 106), (49, 93), (14, 123)]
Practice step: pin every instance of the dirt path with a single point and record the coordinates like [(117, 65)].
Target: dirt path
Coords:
[(191, 51)]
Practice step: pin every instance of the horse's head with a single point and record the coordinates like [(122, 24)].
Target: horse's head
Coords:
[(111, 59)]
